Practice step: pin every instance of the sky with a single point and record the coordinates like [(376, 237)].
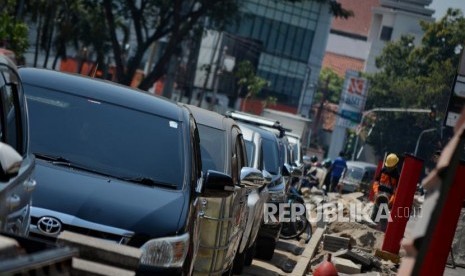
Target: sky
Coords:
[(440, 6)]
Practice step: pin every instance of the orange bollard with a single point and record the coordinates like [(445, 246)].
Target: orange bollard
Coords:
[(400, 211)]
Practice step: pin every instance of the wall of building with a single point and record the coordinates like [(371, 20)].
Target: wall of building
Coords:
[(402, 22), (294, 37)]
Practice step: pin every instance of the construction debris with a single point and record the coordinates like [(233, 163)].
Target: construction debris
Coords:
[(335, 243), (346, 266), (352, 242)]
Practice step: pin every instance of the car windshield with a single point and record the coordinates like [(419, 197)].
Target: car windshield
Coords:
[(250, 148), (354, 174), (270, 156), (212, 148), (105, 138)]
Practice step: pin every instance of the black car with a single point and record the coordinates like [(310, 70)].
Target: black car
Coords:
[(117, 164), (16, 162)]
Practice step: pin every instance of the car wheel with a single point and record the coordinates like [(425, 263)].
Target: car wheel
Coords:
[(239, 261), (250, 254), (265, 249)]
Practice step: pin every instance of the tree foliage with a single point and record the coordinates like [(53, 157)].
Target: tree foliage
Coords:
[(248, 79), (13, 33), (335, 84), (415, 76)]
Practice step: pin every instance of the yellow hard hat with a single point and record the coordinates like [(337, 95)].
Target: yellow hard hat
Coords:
[(391, 160)]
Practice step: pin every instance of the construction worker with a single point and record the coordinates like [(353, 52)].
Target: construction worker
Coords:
[(384, 187)]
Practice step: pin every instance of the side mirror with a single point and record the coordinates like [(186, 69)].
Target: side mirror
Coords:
[(10, 162), (286, 170), (296, 172), (218, 184), (252, 177), (267, 176)]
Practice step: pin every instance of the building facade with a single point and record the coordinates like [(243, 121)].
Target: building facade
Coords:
[(392, 20), (293, 39)]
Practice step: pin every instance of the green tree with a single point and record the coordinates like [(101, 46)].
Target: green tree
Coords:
[(174, 21), (248, 80), (13, 32), (78, 23), (414, 76), (335, 85)]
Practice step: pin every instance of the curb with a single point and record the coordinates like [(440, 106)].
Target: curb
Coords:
[(301, 267)]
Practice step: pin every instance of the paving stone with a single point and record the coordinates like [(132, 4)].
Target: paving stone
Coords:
[(346, 266)]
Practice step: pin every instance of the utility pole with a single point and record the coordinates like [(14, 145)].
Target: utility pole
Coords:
[(216, 77), (316, 123), (209, 69), (303, 92)]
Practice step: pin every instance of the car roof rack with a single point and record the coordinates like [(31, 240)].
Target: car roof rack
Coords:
[(257, 120)]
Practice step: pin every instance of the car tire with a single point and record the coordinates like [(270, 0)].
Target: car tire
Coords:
[(250, 254), (265, 249), (239, 261)]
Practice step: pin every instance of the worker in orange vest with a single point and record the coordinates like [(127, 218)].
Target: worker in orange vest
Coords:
[(384, 188)]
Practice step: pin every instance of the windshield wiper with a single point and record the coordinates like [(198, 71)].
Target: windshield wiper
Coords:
[(53, 158), (147, 181), (59, 160)]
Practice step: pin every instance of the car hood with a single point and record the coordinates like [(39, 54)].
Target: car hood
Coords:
[(151, 211)]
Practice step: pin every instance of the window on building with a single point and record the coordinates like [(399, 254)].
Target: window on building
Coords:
[(386, 33)]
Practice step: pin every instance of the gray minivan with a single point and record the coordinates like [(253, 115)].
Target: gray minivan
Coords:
[(357, 177)]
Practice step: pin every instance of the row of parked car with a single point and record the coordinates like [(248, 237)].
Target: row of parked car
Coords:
[(185, 185)]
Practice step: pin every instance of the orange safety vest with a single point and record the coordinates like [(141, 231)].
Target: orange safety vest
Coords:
[(387, 184)]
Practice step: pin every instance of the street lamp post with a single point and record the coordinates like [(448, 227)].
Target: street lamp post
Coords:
[(383, 109), (419, 138)]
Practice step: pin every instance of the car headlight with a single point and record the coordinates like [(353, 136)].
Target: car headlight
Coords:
[(165, 252)]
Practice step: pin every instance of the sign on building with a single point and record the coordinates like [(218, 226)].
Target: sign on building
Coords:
[(353, 100)]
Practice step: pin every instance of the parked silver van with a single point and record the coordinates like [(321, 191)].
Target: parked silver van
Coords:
[(358, 177)]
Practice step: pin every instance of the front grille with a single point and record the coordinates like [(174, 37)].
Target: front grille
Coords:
[(84, 231)]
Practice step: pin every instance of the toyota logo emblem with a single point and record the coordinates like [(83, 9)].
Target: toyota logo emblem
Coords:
[(49, 225)]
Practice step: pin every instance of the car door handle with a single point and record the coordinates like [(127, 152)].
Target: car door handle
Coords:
[(30, 185), (13, 201)]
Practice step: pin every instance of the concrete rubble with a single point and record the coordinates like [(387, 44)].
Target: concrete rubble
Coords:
[(352, 242)]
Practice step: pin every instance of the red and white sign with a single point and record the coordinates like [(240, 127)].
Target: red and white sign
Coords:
[(353, 97)]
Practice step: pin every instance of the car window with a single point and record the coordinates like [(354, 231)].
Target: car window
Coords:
[(354, 173), (250, 149), (212, 148), (11, 131), (270, 156), (107, 138)]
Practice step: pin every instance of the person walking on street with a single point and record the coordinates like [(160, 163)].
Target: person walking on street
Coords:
[(337, 168)]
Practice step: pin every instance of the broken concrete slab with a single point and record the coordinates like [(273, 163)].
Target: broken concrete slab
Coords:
[(8, 247), (346, 266), (88, 268), (334, 243), (356, 257), (102, 251)]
